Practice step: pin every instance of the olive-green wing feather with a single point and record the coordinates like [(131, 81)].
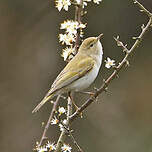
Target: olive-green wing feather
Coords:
[(71, 73)]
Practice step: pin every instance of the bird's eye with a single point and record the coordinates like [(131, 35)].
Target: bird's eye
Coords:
[(91, 45)]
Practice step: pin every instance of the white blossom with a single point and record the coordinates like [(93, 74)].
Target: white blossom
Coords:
[(66, 38), (63, 4), (65, 122), (85, 2), (51, 146), (82, 25), (97, 1), (109, 63), (54, 121), (67, 52), (61, 127), (61, 110), (71, 26), (66, 148), (78, 1), (41, 149), (59, 5)]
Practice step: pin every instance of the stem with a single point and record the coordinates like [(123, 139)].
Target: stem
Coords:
[(78, 17), (143, 8), (49, 120), (63, 133), (75, 142)]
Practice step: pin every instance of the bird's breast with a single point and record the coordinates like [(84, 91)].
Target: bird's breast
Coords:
[(86, 80)]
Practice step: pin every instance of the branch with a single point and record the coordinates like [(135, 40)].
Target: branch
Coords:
[(63, 133), (72, 137), (75, 142), (78, 17), (118, 68), (49, 120), (143, 9)]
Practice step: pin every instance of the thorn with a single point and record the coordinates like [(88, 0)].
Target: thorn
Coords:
[(63, 97), (139, 39), (71, 131), (117, 76), (115, 67), (45, 137), (81, 116), (104, 80), (127, 63), (96, 100), (106, 89), (83, 13), (143, 26), (96, 89), (93, 98), (119, 43), (42, 124), (125, 49), (118, 37), (136, 38), (115, 38), (52, 102)]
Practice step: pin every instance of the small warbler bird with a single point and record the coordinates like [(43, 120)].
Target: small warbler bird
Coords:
[(80, 72)]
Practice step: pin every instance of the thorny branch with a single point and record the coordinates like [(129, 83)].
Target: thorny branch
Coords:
[(119, 67), (63, 133), (75, 142), (49, 120), (78, 17), (143, 9), (72, 137)]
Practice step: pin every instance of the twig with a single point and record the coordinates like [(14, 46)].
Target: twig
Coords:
[(78, 17), (72, 137), (143, 9), (49, 120), (117, 69), (75, 142), (63, 133), (119, 43)]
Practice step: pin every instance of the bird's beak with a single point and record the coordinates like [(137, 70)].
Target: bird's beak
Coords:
[(99, 37)]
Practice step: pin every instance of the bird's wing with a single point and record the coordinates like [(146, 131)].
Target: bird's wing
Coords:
[(71, 73)]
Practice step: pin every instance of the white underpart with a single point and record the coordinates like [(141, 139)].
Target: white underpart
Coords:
[(88, 79)]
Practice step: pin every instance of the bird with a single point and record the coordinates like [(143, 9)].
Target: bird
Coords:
[(79, 73)]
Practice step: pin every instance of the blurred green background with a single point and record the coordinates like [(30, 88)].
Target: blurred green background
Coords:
[(121, 120)]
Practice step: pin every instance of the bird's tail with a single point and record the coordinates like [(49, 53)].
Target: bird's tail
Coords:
[(42, 103)]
